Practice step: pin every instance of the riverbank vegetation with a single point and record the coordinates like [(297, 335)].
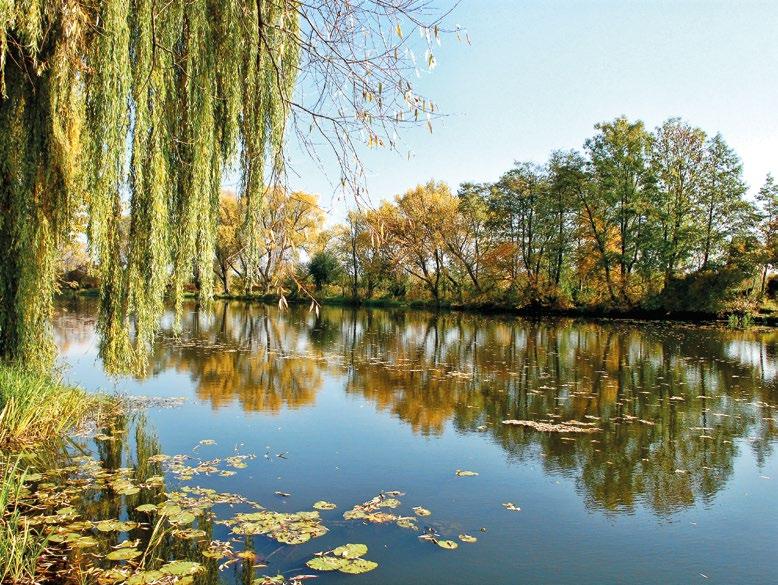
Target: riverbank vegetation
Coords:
[(638, 222), (637, 219), (35, 407), (35, 410)]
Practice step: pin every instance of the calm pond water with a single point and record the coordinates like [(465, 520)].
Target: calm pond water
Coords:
[(679, 485)]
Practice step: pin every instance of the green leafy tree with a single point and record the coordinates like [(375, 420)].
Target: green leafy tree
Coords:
[(523, 215), (768, 227), (324, 268), (616, 201), (473, 242), (679, 164), (725, 211)]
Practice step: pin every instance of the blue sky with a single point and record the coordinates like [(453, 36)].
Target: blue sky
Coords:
[(539, 74)]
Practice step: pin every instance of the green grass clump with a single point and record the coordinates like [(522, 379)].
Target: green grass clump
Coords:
[(21, 547), (35, 407)]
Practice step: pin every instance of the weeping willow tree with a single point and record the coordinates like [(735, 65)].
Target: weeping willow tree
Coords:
[(123, 115)]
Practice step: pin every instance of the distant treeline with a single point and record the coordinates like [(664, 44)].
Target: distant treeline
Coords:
[(637, 219)]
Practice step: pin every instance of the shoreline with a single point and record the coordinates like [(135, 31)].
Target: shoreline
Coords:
[(591, 312)]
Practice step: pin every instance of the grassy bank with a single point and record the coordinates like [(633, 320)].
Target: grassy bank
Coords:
[(34, 409)]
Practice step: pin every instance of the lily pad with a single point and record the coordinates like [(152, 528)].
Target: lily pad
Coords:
[(123, 554), (464, 473), (419, 511), (322, 505), (409, 523), (83, 542), (326, 563), (146, 508), (181, 568), (447, 544), (145, 577), (357, 566), (467, 538), (289, 537), (182, 518), (115, 526), (350, 551), (189, 534), (169, 509)]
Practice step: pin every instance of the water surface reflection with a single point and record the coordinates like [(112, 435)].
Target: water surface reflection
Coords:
[(670, 400)]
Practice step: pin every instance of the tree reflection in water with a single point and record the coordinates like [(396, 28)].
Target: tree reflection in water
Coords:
[(671, 400)]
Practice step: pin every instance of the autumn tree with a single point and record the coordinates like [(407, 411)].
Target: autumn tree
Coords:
[(289, 224), (228, 242), (418, 224)]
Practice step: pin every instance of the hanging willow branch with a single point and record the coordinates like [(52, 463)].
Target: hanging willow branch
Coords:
[(130, 111)]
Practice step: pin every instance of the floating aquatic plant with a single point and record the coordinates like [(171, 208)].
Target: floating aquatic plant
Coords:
[(346, 559)]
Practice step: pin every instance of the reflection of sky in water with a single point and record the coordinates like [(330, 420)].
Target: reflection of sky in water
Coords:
[(752, 353), (370, 400)]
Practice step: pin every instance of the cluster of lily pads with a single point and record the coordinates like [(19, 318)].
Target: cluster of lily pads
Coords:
[(57, 498), (286, 528), (178, 466), (374, 511), (52, 500), (346, 559)]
